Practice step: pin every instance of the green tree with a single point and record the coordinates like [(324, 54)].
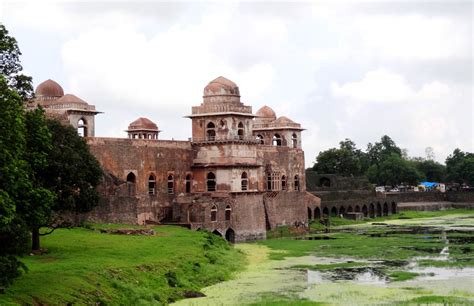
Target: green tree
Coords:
[(430, 170), (460, 167), (394, 170), (347, 160), (379, 151)]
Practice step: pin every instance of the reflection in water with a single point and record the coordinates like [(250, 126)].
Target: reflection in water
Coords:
[(364, 275)]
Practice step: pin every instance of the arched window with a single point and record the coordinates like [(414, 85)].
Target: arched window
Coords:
[(276, 140), (170, 184), (211, 131), (151, 184), (222, 124), (188, 183), (283, 182), (240, 130), (244, 181), (260, 139), (82, 128), (228, 212), (214, 213), (211, 182), (294, 140), (269, 181), (297, 183), (131, 184)]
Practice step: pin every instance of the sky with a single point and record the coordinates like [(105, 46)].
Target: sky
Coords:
[(343, 69)]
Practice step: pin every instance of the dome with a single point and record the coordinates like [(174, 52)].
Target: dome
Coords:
[(143, 124), (266, 112), (221, 86), (284, 121), (68, 98), (49, 88)]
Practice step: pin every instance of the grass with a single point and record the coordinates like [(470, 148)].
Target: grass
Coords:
[(438, 300), (400, 276), (326, 267), (83, 266)]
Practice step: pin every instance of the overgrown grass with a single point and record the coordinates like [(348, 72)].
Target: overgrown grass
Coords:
[(400, 276), (341, 265), (438, 300), (83, 266)]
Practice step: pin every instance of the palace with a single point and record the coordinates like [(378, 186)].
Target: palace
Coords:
[(239, 175)]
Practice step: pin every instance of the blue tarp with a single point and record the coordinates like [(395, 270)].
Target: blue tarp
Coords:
[(429, 184)]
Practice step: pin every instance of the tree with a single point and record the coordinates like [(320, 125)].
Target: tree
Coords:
[(394, 170), (430, 170), (382, 150), (460, 167), (347, 160), (10, 66)]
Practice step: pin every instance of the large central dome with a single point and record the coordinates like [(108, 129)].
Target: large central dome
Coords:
[(221, 87), (49, 89)]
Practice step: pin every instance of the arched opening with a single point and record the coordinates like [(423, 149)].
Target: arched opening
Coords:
[(379, 210), (230, 235), (297, 183), (294, 140), (394, 208), (244, 182), (385, 209), (276, 141), (325, 212), (170, 184), (240, 130), (222, 124), (211, 131), (283, 182), (131, 184), (214, 213), (342, 211), (357, 208), (82, 128), (371, 210), (364, 210), (211, 182), (216, 232), (151, 185), (349, 209), (228, 212), (317, 213), (334, 212), (260, 139), (310, 214), (269, 181), (188, 183), (324, 182)]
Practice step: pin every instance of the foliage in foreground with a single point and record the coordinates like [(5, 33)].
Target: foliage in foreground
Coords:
[(87, 267)]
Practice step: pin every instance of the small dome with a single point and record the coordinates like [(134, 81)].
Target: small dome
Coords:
[(266, 112), (283, 121), (221, 86), (143, 124), (49, 88), (68, 98)]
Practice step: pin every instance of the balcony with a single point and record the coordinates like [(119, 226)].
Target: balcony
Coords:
[(225, 139)]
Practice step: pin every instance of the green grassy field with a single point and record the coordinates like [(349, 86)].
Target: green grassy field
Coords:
[(83, 266)]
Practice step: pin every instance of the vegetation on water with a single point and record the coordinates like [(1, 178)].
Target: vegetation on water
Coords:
[(88, 267), (439, 300), (400, 276)]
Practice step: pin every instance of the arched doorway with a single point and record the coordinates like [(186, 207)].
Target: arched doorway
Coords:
[(342, 211), (349, 209), (317, 213), (310, 214), (131, 184), (325, 212), (230, 235), (188, 183), (216, 232), (379, 210), (82, 128), (357, 208), (394, 208), (334, 212), (364, 211), (324, 182), (385, 209), (371, 210)]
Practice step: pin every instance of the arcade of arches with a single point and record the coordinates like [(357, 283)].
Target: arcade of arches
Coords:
[(370, 210)]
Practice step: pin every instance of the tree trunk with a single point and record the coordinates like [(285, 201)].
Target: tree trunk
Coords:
[(35, 242)]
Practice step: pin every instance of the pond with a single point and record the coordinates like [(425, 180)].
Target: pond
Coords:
[(436, 266)]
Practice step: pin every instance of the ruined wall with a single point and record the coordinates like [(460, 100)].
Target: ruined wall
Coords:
[(287, 161), (288, 208)]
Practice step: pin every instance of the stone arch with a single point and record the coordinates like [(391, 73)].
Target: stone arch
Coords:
[(244, 181), (188, 183), (240, 130), (211, 181), (357, 208), (297, 183), (260, 139), (371, 210), (283, 182), (228, 212), (364, 210), (310, 214), (342, 211), (394, 208), (211, 131), (385, 209), (334, 212), (82, 129), (324, 182), (214, 213), (216, 232), (317, 213), (151, 184), (379, 210), (170, 184), (230, 235), (349, 209), (276, 141), (294, 140), (325, 212), (131, 184)]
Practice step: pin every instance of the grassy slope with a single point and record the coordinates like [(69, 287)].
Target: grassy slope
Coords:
[(84, 266)]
